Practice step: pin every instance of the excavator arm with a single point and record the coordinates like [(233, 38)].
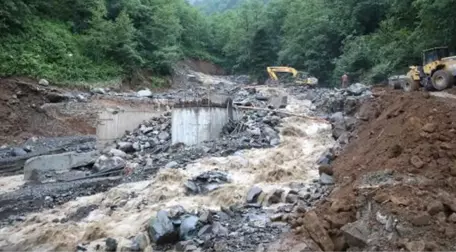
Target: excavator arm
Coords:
[(281, 69), (273, 70)]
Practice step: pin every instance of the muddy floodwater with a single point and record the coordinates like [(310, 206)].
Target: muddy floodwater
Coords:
[(291, 162)]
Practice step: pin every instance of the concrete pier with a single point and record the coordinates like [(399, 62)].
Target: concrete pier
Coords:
[(193, 123)]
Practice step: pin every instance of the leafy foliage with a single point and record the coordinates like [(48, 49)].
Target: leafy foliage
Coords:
[(99, 39), (137, 39), (368, 39)]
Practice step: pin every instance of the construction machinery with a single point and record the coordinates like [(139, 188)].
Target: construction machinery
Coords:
[(299, 77), (438, 71)]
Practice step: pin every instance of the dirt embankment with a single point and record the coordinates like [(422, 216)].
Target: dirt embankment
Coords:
[(396, 182), (22, 115)]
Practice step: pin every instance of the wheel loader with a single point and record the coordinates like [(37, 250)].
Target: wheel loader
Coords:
[(437, 73), (299, 77)]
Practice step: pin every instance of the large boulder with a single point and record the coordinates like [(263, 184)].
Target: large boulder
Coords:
[(126, 147), (278, 102), (37, 168), (253, 194), (161, 229), (357, 89), (104, 163), (188, 228), (144, 93), (338, 124), (43, 82), (206, 182), (356, 233)]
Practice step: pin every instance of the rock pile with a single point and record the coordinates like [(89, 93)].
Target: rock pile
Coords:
[(328, 101), (206, 182), (149, 146)]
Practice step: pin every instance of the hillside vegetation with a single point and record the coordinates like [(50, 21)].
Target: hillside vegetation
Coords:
[(132, 39)]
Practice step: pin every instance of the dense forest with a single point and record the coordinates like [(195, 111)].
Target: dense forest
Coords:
[(85, 40)]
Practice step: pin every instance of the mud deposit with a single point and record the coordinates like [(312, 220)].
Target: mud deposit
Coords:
[(395, 182), (23, 116)]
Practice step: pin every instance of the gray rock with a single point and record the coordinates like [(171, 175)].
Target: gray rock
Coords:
[(118, 153), (164, 136), (43, 82), (126, 147), (136, 146), (192, 78), (356, 233), (111, 245), (161, 229), (144, 93), (326, 179), (206, 182), (18, 152), (278, 102), (255, 131), (98, 91), (270, 133), (216, 229), (147, 130), (192, 187), (185, 246), (351, 105), (172, 165), (253, 194), (357, 89), (206, 217), (38, 168), (28, 148), (274, 142), (187, 229), (219, 230), (338, 124), (141, 241), (304, 194), (104, 163), (176, 212)]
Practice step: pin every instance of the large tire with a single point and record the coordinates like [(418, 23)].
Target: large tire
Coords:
[(442, 80), (410, 85)]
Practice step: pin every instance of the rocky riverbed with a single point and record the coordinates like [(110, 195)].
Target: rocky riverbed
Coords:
[(237, 192)]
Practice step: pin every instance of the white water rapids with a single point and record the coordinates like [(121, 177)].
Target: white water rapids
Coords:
[(294, 161)]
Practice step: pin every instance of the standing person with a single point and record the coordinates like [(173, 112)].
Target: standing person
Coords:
[(344, 80)]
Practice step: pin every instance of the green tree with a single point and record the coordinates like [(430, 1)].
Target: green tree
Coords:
[(262, 55)]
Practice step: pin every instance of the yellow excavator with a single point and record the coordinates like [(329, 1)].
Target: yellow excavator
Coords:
[(438, 71), (297, 76)]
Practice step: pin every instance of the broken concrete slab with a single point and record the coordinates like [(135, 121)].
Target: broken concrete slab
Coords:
[(37, 167), (11, 165)]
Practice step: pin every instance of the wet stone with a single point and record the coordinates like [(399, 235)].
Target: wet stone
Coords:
[(326, 179), (111, 245), (252, 195), (161, 229), (188, 228)]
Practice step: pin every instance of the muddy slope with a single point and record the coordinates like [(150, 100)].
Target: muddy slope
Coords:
[(22, 115), (396, 183)]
